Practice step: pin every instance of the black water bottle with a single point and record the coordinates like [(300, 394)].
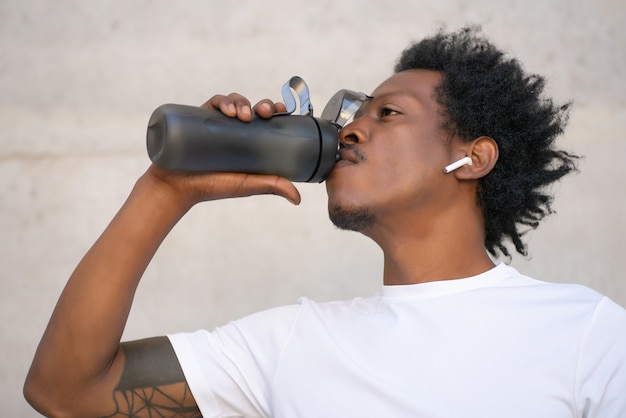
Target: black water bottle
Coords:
[(300, 148)]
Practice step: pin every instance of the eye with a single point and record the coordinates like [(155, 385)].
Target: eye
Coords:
[(386, 111)]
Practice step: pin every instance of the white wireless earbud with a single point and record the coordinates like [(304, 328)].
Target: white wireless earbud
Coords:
[(460, 163)]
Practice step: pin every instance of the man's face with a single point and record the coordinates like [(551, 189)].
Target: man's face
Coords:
[(393, 156)]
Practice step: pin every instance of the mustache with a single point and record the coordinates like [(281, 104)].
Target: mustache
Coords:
[(356, 152)]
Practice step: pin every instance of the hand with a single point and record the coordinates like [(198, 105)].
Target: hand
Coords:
[(191, 188), (236, 105)]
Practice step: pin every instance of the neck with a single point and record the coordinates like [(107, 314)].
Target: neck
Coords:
[(412, 264), (451, 248)]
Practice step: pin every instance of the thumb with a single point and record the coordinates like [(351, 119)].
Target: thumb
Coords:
[(279, 186), (214, 186)]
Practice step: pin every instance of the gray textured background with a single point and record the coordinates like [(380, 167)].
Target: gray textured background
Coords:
[(78, 81)]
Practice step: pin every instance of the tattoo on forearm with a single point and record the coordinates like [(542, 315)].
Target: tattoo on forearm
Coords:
[(152, 383)]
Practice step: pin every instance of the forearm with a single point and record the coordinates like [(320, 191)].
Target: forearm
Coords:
[(81, 342)]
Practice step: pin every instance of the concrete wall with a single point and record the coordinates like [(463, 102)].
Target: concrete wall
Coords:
[(79, 79)]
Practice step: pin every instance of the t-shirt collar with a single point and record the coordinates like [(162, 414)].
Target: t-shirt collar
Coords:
[(429, 290)]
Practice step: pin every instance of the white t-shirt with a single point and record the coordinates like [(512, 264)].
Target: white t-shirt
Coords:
[(494, 345)]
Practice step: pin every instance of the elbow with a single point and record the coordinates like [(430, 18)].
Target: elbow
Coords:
[(36, 395), (53, 394), (41, 396), (32, 396)]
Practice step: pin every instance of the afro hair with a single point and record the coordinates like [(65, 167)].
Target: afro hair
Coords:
[(486, 93)]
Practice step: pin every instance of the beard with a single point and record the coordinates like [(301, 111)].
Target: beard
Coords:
[(357, 219)]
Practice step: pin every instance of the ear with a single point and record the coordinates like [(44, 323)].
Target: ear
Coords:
[(484, 154)]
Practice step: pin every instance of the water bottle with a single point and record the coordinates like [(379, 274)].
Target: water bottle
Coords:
[(301, 148)]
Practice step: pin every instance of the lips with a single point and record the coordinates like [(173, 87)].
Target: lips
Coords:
[(349, 156), (342, 163), (346, 159)]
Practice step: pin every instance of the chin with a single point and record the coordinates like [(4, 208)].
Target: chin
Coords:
[(357, 219)]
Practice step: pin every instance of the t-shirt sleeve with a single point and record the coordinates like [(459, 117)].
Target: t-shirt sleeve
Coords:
[(601, 379), (230, 370)]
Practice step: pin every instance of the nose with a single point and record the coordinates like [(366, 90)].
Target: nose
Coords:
[(350, 134)]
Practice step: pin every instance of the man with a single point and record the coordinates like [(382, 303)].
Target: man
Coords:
[(450, 334)]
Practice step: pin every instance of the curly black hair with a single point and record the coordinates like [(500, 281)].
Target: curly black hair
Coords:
[(486, 93)]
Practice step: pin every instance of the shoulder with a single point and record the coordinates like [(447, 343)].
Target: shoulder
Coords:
[(553, 291), (288, 315)]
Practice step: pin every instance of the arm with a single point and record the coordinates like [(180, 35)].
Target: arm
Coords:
[(80, 368), (152, 382)]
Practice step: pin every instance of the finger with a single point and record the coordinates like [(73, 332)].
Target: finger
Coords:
[(233, 105), (225, 185), (254, 184), (196, 187), (215, 186), (280, 107), (278, 186), (223, 103), (265, 108)]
